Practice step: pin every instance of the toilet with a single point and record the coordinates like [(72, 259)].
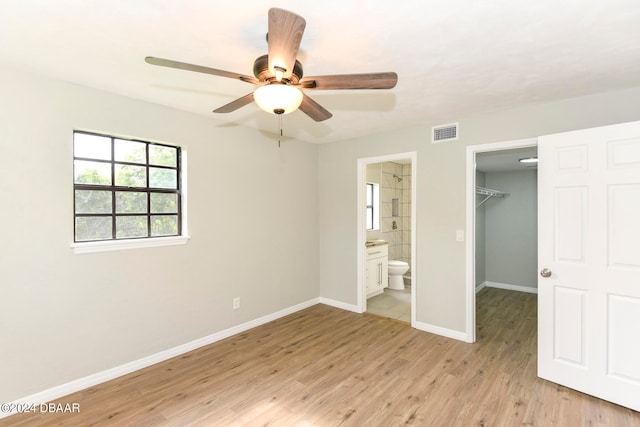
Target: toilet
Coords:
[(396, 271)]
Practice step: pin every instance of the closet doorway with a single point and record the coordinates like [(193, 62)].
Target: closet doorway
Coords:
[(501, 222)]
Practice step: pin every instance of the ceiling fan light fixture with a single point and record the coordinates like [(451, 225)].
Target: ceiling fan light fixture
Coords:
[(278, 98)]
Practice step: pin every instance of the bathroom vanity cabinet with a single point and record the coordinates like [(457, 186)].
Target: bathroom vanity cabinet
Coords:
[(377, 269)]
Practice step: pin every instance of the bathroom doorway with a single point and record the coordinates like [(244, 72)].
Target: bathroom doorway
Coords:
[(501, 221), (386, 229)]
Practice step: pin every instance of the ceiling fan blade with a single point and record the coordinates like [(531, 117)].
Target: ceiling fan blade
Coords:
[(198, 68), (284, 36), (351, 81), (234, 105), (314, 110)]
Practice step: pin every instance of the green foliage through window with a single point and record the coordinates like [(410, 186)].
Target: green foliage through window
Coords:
[(125, 189)]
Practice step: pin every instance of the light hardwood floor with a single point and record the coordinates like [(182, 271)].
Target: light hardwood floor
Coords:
[(328, 367)]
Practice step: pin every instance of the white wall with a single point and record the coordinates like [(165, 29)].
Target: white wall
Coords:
[(253, 218), (441, 200), (511, 241)]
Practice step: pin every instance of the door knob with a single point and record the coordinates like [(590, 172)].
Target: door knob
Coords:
[(545, 272)]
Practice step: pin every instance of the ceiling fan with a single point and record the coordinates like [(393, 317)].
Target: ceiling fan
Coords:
[(278, 74)]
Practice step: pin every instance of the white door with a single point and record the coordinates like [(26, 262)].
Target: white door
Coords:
[(589, 241)]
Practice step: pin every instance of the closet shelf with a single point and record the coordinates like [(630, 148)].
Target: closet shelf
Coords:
[(489, 193)]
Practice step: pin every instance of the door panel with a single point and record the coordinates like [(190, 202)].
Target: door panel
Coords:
[(569, 333), (624, 226), (589, 237), (624, 153), (570, 223), (622, 361)]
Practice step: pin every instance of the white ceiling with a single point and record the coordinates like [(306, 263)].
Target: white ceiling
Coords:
[(506, 160), (453, 57)]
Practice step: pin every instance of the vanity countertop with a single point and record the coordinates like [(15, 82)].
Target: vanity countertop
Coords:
[(371, 243)]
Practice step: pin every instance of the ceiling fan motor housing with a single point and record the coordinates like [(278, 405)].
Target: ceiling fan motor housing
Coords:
[(262, 73)]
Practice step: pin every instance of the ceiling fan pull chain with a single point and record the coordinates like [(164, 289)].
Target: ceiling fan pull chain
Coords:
[(280, 124)]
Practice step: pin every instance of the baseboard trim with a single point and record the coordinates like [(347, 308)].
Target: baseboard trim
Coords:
[(118, 371), (481, 286), (439, 330), (518, 288), (340, 304)]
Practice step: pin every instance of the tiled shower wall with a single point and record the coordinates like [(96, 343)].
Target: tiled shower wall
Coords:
[(391, 188)]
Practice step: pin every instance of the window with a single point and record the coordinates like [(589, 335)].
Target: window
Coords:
[(125, 189), (373, 215)]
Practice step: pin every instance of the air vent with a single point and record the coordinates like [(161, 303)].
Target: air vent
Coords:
[(444, 133)]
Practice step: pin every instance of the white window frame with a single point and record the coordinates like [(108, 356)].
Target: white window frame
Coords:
[(375, 207)]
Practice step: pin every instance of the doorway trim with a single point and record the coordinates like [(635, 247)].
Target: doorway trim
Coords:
[(361, 234), (472, 150)]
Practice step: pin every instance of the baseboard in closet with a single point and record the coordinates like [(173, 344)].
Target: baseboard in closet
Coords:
[(508, 286)]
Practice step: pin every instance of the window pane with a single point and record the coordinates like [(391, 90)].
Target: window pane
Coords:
[(131, 176), (164, 203), (91, 172), (164, 225), (130, 151), (131, 202), (93, 228), (163, 156), (163, 178), (91, 146), (369, 218), (369, 194), (131, 226), (93, 201), (121, 186)]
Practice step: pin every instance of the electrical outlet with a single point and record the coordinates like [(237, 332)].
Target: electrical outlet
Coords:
[(459, 235), (236, 303)]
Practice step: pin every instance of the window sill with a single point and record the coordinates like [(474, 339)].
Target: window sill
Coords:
[(118, 245)]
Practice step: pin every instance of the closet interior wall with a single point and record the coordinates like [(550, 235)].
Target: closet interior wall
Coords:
[(506, 231)]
